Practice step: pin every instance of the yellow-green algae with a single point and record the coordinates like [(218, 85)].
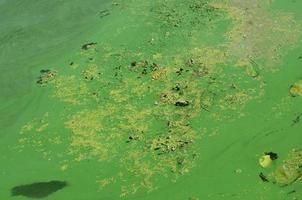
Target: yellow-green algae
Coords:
[(130, 117), (296, 89), (290, 170)]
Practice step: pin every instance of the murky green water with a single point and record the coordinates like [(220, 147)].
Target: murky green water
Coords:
[(173, 99)]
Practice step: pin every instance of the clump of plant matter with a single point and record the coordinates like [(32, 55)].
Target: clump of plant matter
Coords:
[(290, 170), (296, 89)]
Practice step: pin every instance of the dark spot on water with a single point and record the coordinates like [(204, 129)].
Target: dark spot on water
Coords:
[(132, 138), (291, 192), (133, 64), (104, 13), (39, 189), (182, 103), (42, 71), (88, 45), (272, 155), (179, 72), (145, 72), (176, 88), (45, 76), (297, 119), (263, 177)]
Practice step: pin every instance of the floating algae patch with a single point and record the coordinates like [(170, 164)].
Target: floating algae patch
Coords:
[(142, 120), (39, 189), (135, 107), (46, 76), (296, 89), (285, 173), (257, 33), (290, 170), (190, 13)]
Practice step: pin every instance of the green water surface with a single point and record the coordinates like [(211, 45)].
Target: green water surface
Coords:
[(226, 139)]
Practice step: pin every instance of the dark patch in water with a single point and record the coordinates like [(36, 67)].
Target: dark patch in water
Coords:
[(263, 177), (39, 189), (88, 45), (297, 119), (272, 155), (182, 103), (104, 13)]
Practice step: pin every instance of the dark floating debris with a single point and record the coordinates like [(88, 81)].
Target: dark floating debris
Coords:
[(132, 138), (88, 45), (143, 67), (190, 62), (42, 71), (46, 76), (179, 72), (176, 88), (272, 155), (39, 189), (182, 103), (168, 144), (263, 177), (291, 192), (104, 13), (133, 64), (297, 119)]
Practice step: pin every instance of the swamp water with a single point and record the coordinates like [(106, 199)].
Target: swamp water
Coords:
[(163, 99)]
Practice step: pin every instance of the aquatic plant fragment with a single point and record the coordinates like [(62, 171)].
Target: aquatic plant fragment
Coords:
[(88, 45), (46, 75), (290, 170), (265, 161), (296, 89)]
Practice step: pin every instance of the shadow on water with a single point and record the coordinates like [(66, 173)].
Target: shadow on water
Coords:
[(38, 190)]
